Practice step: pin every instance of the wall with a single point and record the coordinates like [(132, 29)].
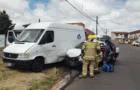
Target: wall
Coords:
[(113, 36)]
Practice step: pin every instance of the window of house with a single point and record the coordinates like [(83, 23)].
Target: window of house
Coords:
[(116, 34)]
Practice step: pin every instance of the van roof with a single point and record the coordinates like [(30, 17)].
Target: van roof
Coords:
[(44, 25)]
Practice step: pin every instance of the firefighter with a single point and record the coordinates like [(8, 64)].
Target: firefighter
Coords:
[(98, 56), (90, 50)]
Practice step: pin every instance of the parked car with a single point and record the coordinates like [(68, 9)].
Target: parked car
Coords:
[(136, 43), (73, 57)]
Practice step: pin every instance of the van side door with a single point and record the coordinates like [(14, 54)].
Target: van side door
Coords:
[(49, 48)]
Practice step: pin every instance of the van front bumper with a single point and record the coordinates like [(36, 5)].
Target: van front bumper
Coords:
[(18, 62)]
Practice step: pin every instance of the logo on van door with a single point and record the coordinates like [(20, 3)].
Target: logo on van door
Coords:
[(78, 36)]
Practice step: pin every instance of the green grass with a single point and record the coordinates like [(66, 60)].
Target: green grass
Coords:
[(46, 83)]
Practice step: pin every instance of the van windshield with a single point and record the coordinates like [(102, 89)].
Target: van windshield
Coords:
[(30, 35)]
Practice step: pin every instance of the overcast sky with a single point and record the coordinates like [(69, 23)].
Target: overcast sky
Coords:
[(114, 15)]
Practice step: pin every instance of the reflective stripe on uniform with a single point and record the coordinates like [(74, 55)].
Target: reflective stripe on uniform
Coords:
[(89, 57), (84, 74)]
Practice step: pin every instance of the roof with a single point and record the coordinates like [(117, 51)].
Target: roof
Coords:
[(134, 32), (44, 25), (78, 23), (120, 32), (89, 32)]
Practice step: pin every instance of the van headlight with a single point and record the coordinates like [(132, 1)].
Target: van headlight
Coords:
[(26, 56)]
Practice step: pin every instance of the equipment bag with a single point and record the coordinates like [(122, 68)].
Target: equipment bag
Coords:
[(108, 68)]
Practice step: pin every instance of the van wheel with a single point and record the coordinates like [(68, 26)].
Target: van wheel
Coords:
[(38, 65)]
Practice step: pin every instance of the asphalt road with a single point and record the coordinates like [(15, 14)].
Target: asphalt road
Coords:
[(125, 77)]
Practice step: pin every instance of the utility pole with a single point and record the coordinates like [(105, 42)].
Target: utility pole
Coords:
[(106, 32), (96, 25)]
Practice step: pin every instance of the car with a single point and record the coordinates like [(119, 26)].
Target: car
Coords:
[(73, 57), (136, 43)]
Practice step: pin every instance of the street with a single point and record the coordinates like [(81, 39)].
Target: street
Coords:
[(125, 77)]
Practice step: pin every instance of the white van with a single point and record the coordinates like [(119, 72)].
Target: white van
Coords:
[(43, 43), (12, 35)]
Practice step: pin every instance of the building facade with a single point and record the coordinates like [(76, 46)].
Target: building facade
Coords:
[(120, 36), (126, 36), (134, 35)]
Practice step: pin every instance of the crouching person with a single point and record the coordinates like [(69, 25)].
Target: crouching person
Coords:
[(90, 51)]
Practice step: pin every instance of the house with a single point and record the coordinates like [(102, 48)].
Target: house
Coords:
[(119, 36), (126, 36), (134, 35)]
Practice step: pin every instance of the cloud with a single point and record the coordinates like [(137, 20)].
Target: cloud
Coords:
[(114, 15), (133, 5)]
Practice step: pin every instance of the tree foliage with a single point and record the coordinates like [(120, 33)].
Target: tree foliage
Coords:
[(5, 22)]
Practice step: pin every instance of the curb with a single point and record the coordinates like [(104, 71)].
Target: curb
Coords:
[(65, 81), (70, 81)]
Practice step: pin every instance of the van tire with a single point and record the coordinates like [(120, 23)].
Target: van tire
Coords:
[(38, 65)]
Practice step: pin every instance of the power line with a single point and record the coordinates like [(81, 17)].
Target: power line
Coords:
[(83, 9), (101, 27), (80, 11), (109, 21), (86, 15)]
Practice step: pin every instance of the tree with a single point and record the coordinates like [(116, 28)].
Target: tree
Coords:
[(5, 22)]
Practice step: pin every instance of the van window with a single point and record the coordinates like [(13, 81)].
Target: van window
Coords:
[(49, 36)]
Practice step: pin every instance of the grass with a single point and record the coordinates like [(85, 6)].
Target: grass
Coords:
[(5, 73), (7, 88), (47, 82), (44, 83)]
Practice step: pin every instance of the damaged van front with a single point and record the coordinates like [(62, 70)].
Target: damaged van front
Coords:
[(23, 50)]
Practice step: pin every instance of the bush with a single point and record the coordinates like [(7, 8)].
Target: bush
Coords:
[(129, 42)]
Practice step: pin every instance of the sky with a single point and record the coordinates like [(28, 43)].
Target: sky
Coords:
[(114, 15)]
